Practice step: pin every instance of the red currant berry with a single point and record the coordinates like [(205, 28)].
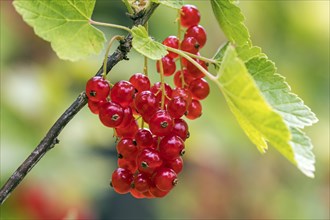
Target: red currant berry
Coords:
[(142, 182), (145, 102), (97, 89), (140, 82), (129, 164), (94, 106), (157, 192), (190, 45), (172, 41), (199, 88), (187, 78), (161, 123), (121, 180), (128, 131), (177, 107), (185, 94), (136, 194), (111, 114), (157, 90), (171, 147), (144, 138), (169, 66), (165, 179), (122, 93), (148, 160), (189, 16), (127, 148), (194, 110), (181, 129), (199, 33), (128, 117), (194, 71), (176, 165)]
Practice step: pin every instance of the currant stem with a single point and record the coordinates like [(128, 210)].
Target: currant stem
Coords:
[(117, 37), (180, 58), (162, 86), (110, 25), (128, 6)]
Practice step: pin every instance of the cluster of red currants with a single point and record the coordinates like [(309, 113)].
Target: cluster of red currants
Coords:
[(150, 156)]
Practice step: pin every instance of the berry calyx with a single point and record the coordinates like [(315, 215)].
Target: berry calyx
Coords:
[(161, 123)]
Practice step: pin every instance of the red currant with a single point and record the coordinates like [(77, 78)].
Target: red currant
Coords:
[(161, 123), (165, 179), (194, 71), (128, 131), (144, 138), (189, 16), (176, 165), (157, 90), (172, 41), (169, 66), (121, 180), (129, 164), (127, 118), (157, 192), (94, 106), (148, 160), (199, 33), (194, 110), (97, 89), (145, 102), (142, 182), (185, 94), (171, 147), (140, 82), (180, 128), (186, 77), (127, 148), (177, 107), (199, 88), (190, 45), (136, 194), (111, 114), (122, 93)]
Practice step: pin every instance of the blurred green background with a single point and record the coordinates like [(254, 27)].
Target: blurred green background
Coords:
[(224, 176)]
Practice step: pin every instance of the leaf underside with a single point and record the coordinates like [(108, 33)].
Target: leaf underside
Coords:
[(65, 24)]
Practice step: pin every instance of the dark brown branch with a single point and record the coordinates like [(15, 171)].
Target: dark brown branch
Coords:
[(49, 141)]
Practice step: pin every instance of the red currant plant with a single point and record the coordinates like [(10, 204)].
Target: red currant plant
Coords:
[(257, 95)]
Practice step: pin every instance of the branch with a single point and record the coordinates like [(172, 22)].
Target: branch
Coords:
[(50, 140)]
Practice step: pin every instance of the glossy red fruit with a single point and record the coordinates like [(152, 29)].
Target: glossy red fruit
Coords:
[(187, 78), (97, 89), (121, 180), (194, 71), (122, 93), (181, 129), (144, 138), (136, 194), (177, 107), (199, 88), (140, 82), (161, 123), (183, 93), (111, 114), (171, 147), (156, 89), (169, 66), (146, 102), (189, 16), (199, 33), (190, 45), (94, 106), (129, 164), (176, 165), (165, 179), (127, 148), (194, 110), (127, 118), (172, 41), (129, 131), (157, 192), (142, 182), (148, 160)]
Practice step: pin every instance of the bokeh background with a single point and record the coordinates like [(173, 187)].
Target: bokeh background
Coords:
[(224, 176)]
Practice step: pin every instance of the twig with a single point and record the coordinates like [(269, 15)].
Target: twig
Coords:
[(50, 140)]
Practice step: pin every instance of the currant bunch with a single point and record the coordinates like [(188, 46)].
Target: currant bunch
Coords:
[(150, 154)]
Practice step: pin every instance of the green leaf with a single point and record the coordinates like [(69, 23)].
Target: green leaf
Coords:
[(170, 3), (259, 121), (146, 45), (231, 20), (65, 24)]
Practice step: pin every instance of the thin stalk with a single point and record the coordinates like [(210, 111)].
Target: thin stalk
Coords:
[(128, 6), (162, 85), (180, 58), (117, 37), (145, 68), (110, 25)]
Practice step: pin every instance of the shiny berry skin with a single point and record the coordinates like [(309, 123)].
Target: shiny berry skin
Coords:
[(129, 164), (194, 71), (94, 106), (97, 89), (177, 107), (194, 110), (128, 131), (183, 93), (127, 148), (111, 114), (171, 147), (122, 93), (141, 182), (157, 193), (161, 123), (199, 88), (190, 45), (157, 90), (169, 66), (140, 82), (172, 41), (127, 118), (144, 138), (181, 129), (121, 180), (186, 77), (145, 102), (189, 16), (198, 32), (165, 179), (176, 165), (148, 160)]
